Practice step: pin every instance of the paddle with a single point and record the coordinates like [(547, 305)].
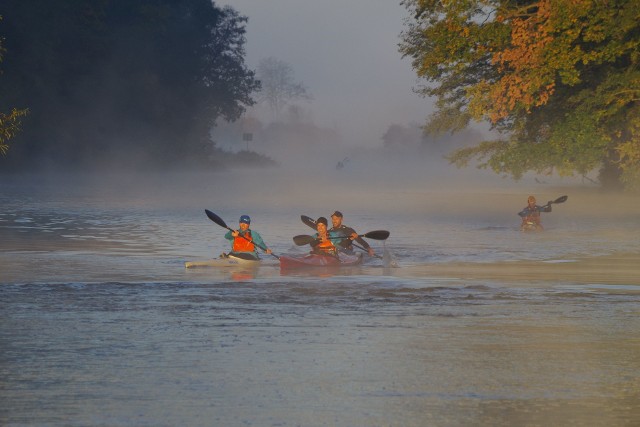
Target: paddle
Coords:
[(312, 223), (375, 235), (215, 218), (304, 239), (360, 247), (560, 199), (308, 221)]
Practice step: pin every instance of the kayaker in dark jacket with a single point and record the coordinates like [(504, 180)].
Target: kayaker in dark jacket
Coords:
[(347, 234), (244, 241), (531, 215)]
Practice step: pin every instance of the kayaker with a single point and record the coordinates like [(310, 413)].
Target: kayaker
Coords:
[(348, 234), (323, 244), (244, 241), (531, 215)]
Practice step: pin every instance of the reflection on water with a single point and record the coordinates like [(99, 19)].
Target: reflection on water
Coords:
[(101, 324)]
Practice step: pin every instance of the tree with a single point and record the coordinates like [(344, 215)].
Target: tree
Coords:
[(9, 123), (9, 127), (131, 81), (278, 85), (558, 78)]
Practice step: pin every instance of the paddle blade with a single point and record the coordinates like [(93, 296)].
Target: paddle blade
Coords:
[(308, 221), (303, 239), (215, 218), (561, 199), (377, 235)]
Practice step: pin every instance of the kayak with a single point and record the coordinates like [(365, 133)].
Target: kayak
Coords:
[(531, 226), (319, 260), (228, 261)]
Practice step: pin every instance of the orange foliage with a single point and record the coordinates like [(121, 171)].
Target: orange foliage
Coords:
[(525, 81)]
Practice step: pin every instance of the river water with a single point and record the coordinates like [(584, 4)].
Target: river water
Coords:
[(479, 324)]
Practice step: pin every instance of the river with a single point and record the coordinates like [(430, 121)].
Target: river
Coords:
[(477, 324)]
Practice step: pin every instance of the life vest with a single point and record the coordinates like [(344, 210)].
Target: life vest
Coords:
[(532, 217), (240, 244), (326, 247)]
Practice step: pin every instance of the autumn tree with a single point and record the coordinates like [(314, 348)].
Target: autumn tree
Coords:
[(279, 87), (559, 79)]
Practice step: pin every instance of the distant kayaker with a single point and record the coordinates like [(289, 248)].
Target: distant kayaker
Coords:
[(244, 241), (531, 215), (323, 244), (348, 234)]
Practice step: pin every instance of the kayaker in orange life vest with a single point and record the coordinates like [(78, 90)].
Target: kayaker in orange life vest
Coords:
[(245, 241), (322, 244), (531, 215), (348, 234)]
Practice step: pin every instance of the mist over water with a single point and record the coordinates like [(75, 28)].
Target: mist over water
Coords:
[(479, 325), (434, 212)]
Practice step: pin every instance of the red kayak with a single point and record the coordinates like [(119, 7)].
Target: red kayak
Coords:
[(319, 260)]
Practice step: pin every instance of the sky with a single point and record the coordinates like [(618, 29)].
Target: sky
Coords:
[(346, 53)]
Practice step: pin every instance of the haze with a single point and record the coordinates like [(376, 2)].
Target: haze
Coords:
[(346, 54)]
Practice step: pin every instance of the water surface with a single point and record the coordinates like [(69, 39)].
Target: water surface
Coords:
[(101, 324)]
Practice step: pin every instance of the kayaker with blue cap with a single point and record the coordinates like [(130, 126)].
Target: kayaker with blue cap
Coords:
[(244, 241)]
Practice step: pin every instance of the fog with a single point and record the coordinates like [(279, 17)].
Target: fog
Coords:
[(370, 183), (331, 153), (346, 53)]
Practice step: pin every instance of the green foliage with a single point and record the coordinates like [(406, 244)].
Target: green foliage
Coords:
[(9, 127), (9, 123), (121, 80), (558, 78)]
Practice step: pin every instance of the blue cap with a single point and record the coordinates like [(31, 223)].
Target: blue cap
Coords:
[(245, 219)]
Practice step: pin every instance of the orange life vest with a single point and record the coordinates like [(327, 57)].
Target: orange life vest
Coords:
[(240, 244), (327, 247)]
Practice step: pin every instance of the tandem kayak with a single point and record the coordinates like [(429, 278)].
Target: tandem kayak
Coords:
[(228, 261), (319, 260)]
